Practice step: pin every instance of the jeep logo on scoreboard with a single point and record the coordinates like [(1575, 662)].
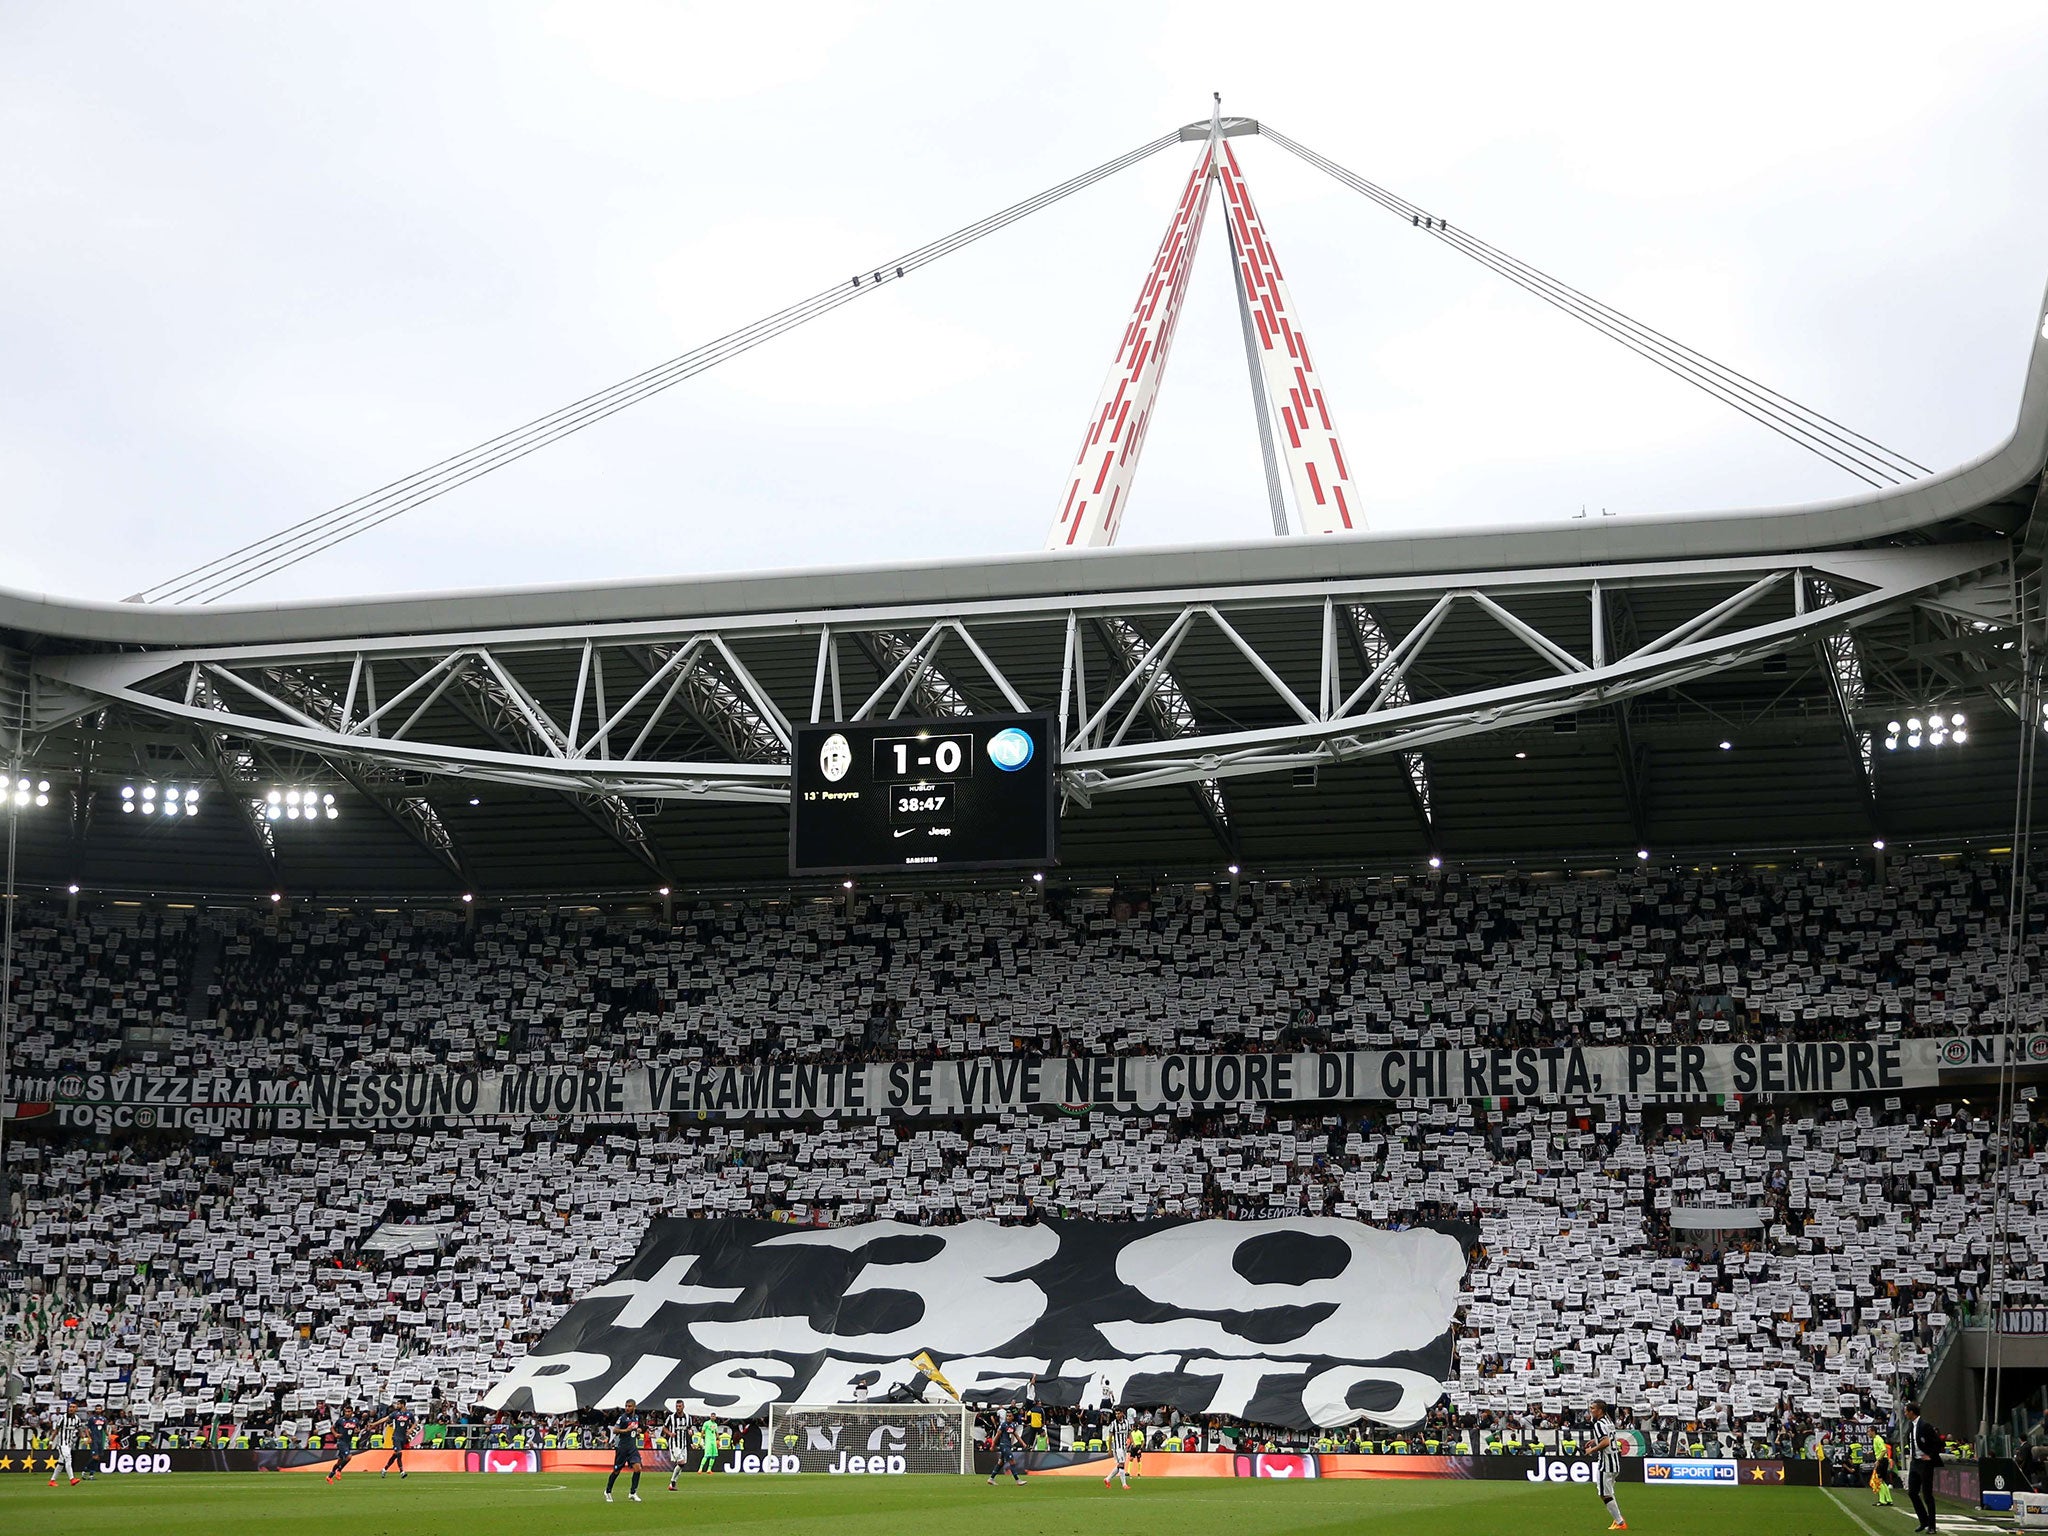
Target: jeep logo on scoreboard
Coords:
[(898, 795)]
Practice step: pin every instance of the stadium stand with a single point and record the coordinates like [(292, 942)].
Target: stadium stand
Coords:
[(1811, 951), (227, 1277)]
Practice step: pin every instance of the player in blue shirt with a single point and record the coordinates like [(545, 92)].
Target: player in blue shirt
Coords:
[(626, 1450), (348, 1424), (1009, 1452), (98, 1432), (401, 1420)]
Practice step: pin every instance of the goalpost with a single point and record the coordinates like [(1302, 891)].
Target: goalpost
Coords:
[(902, 1437)]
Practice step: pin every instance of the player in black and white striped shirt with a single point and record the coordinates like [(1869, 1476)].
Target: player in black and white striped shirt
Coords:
[(1606, 1449), (1119, 1451), (677, 1432), (67, 1433)]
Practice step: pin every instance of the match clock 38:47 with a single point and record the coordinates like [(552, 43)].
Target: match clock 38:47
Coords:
[(980, 793)]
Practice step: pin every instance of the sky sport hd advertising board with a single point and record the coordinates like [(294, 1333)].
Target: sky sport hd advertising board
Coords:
[(896, 796)]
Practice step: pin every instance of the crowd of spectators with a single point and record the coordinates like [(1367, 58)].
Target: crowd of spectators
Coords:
[(189, 1279), (1807, 951)]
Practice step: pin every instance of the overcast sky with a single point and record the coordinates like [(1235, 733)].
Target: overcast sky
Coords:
[(260, 258)]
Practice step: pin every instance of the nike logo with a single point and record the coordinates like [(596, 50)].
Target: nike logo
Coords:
[(906, 831)]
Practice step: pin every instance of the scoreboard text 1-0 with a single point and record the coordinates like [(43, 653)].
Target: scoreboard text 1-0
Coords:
[(890, 795)]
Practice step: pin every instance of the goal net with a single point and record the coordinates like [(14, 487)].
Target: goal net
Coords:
[(872, 1437)]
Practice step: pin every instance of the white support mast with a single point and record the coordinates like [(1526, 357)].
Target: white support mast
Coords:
[(1288, 400)]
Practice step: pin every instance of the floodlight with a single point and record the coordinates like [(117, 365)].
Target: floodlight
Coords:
[(297, 803)]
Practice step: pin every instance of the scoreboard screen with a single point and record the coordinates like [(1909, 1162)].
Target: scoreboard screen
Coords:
[(888, 795)]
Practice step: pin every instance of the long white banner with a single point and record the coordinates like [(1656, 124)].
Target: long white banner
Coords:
[(974, 1084)]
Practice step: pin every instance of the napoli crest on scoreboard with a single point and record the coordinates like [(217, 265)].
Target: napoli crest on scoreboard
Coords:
[(1010, 749)]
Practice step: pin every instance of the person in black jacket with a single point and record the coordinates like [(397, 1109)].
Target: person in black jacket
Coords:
[(1923, 1455)]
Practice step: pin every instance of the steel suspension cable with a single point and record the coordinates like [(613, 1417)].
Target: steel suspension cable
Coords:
[(2019, 887), (252, 562), (11, 895), (1849, 450)]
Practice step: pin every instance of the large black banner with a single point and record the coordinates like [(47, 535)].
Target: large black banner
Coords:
[(1304, 1321)]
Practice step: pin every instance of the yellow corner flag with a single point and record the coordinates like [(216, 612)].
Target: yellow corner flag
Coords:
[(923, 1361)]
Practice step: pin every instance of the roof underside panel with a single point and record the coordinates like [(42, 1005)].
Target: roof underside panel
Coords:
[(1507, 608)]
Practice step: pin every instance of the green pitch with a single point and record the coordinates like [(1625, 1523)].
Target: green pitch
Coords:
[(266, 1504)]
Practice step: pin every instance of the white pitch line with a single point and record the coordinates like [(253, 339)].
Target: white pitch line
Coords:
[(1867, 1527)]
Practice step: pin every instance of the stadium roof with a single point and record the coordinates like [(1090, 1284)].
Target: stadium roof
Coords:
[(1568, 688)]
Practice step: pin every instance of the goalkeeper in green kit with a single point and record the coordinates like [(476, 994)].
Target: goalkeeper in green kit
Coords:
[(707, 1437)]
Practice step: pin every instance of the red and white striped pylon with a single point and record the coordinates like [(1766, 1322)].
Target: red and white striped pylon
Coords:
[(1305, 436)]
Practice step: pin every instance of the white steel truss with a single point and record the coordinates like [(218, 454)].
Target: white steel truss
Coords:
[(1373, 649), (1173, 716), (380, 783), (1204, 684), (1845, 675)]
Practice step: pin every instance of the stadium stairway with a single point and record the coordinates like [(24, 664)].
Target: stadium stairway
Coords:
[(205, 962)]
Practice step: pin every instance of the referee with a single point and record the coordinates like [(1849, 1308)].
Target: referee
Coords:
[(1923, 1455), (1880, 1467)]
